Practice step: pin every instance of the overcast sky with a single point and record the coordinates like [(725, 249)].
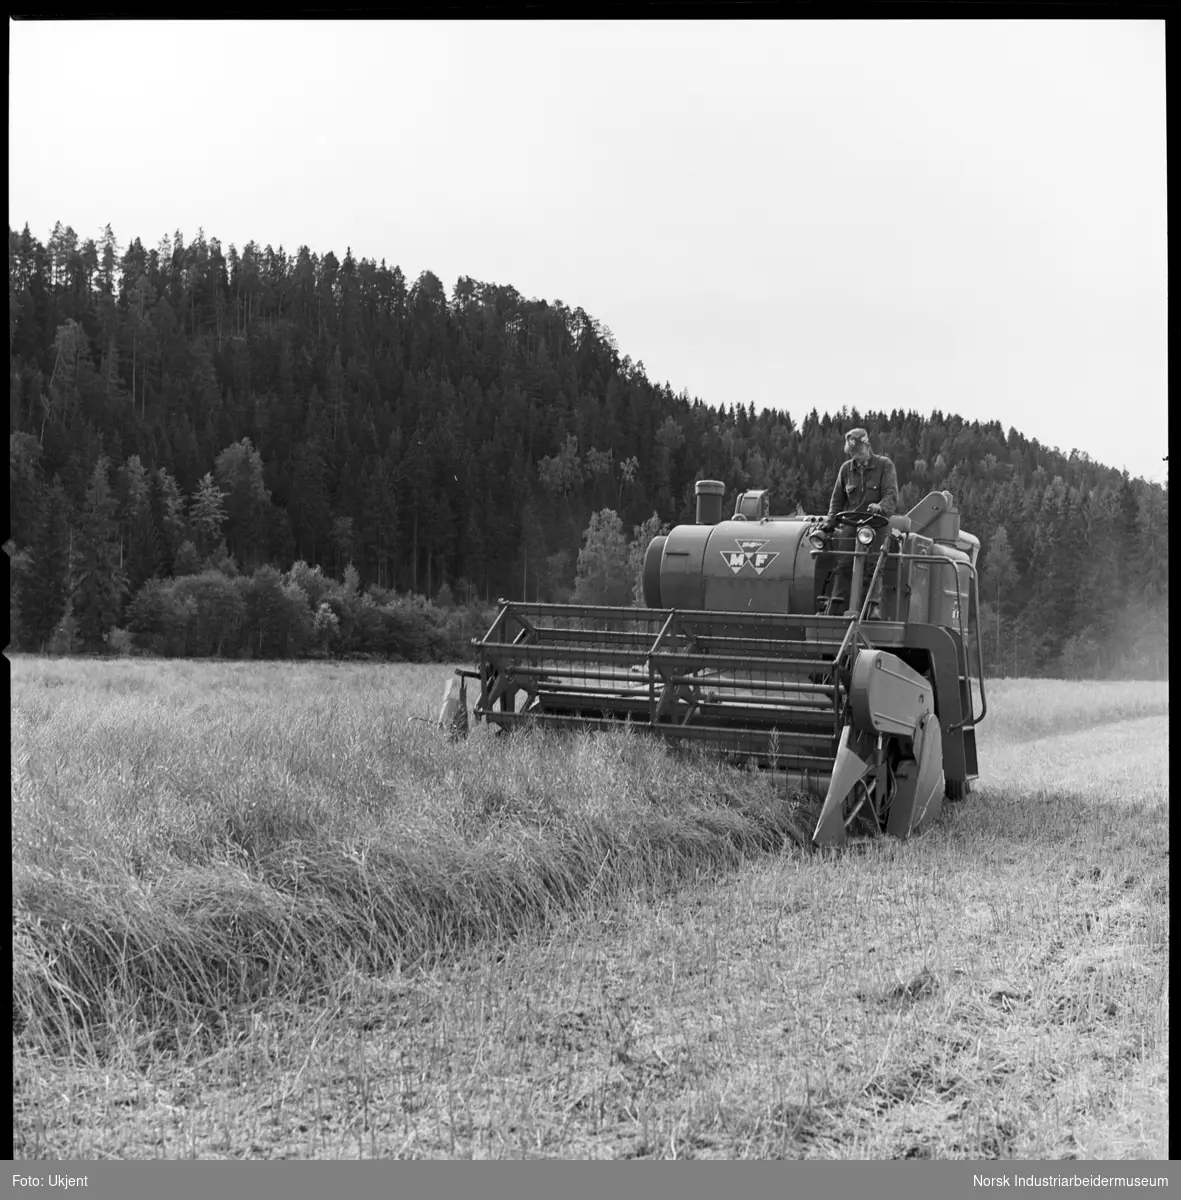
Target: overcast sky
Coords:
[(961, 215)]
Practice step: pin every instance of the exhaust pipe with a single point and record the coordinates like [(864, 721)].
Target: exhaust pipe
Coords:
[(710, 493)]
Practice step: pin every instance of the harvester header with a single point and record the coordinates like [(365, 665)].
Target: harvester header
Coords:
[(850, 664)]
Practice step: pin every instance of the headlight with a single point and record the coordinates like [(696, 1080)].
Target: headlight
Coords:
[(818, 540), (865, 535)]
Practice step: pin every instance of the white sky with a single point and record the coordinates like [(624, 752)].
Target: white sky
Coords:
[(961, 215)]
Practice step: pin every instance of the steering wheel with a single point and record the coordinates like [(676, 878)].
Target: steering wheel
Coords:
[(820, 537), (858, 519)]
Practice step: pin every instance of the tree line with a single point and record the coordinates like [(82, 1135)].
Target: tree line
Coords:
[(266, 453)]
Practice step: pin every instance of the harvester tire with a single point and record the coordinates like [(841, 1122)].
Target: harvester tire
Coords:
[(957, 789)]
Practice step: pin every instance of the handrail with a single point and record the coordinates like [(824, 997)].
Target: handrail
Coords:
[(974, 576), (979, 656), (938, 559), (972, 719)]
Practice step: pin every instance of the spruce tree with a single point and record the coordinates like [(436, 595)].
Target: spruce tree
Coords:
[(44, 583), (207, 515), (99, 580)]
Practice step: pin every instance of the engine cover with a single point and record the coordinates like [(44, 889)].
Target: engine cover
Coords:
[(734, 566)]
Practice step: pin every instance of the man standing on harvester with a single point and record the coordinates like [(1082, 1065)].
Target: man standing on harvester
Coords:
[(867, 482)]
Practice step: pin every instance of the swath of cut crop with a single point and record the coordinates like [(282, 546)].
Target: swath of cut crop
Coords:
[(559, 947)]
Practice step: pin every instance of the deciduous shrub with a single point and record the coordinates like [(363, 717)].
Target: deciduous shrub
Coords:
[(159, 619), (220, 613), (271, 615), (278, 623), (119, 641)]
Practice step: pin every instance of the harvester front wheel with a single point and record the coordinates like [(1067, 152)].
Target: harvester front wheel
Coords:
[(957, 789)]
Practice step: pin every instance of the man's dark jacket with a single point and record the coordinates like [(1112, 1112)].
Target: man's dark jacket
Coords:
[(857, 486)]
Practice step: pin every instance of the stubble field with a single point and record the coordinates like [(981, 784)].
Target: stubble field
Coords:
[(258, 911)]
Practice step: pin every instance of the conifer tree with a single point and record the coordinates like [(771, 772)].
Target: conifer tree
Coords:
[(207, 515), (44, 582), (98, 579)]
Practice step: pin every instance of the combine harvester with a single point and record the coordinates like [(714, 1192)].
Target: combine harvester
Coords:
[(738, 651)]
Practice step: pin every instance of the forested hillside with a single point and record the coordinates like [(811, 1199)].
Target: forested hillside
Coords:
[(266, 453)]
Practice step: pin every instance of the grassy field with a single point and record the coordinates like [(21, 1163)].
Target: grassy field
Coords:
[(258, 911)]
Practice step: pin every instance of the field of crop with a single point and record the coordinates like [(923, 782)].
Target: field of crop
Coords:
[(258, 911)]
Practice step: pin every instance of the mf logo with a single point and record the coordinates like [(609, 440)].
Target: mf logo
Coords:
[(749, 552)]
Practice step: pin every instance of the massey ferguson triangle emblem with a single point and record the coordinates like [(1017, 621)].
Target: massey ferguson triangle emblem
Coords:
[(749, 552)]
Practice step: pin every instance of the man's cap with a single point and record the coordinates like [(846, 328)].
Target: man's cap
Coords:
[(856, 436)]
